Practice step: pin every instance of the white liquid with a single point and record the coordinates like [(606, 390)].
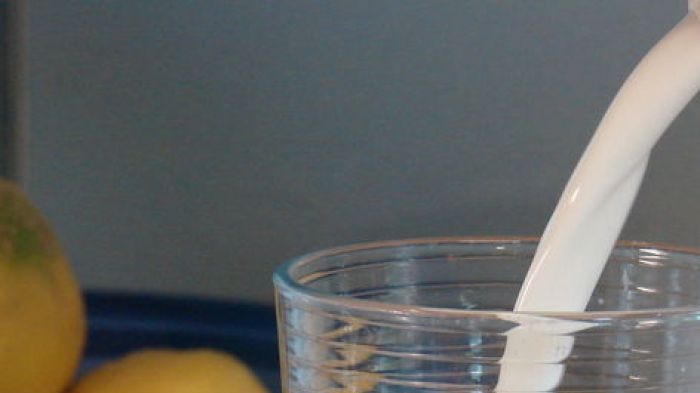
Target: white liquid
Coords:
[(592, 210)]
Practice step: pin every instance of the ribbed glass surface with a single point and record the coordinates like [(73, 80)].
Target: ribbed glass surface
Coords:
[(431, 315)]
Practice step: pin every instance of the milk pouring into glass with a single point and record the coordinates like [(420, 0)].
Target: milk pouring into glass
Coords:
[(421, 315), (595, 203)]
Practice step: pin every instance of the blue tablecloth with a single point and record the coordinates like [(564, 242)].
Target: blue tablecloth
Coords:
[(120, 323)]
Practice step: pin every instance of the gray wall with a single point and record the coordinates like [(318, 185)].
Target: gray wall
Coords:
[(191, 147)]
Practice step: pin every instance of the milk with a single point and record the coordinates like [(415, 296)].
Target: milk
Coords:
[(594, 205)]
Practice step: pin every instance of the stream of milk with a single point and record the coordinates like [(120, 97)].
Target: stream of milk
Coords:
[(594, 206)]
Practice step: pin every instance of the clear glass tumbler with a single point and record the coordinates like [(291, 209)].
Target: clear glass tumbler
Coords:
[(432, 315)]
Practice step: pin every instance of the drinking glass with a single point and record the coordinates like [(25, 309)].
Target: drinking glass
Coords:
[(432, 315)]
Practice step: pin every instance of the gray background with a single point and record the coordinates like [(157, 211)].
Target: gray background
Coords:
[(190, 147)]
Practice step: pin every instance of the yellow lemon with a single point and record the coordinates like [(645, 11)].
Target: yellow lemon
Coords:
[(42, 324), (172, 371)]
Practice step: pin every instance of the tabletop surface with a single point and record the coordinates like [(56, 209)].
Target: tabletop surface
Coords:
[(119, 323)]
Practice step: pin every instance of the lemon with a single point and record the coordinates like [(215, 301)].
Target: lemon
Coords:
[(42, 324), (172, 371)]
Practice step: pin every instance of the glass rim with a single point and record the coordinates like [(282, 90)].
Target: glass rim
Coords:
[(282, 280)]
